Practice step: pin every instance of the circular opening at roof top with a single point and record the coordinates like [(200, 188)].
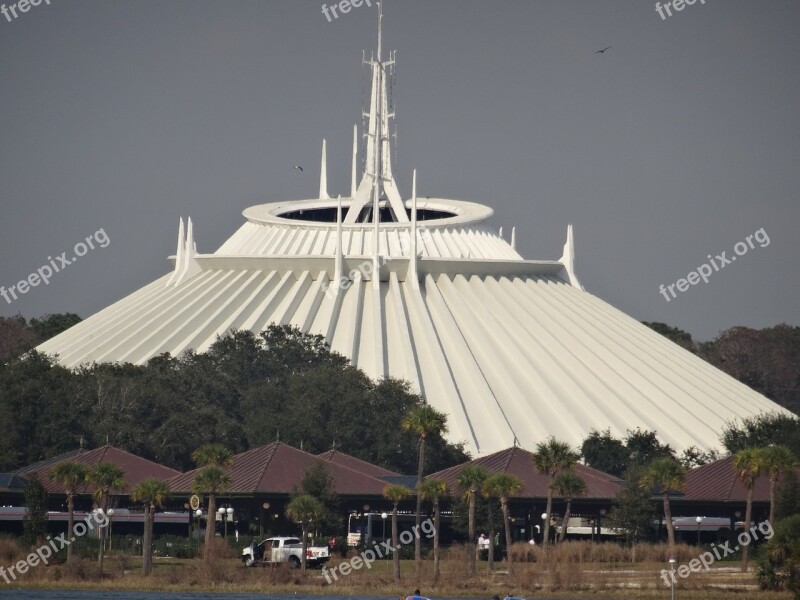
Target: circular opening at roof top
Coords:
[(328, 214)]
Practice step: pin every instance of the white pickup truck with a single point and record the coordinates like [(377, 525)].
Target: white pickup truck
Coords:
[(283, 549)]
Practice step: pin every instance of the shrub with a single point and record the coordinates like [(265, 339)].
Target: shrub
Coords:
[(779, 563)]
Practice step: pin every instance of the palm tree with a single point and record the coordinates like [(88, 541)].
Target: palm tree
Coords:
[(503, 486), (212, 454), (153, 493), (106, 477), (433, 489), (396, 494), (666, 475), (211, 479), (423, 420), (304, 508), (749, 464), (470, 481), (568, 485), (72, 476), (552, 456), (775, 460)]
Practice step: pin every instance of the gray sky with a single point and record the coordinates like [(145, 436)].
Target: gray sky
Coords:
[(678, 142)]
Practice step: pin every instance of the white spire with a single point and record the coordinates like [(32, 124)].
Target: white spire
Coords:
[(514, 238), (337, 275), (378, 177), (323, 175), (568, 259), (412, 259), (353, 180)]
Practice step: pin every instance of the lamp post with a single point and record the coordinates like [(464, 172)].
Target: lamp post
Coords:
[(698, 520), (383, 518), (672, 562), (225, 514), (198, 513), (110, 513)]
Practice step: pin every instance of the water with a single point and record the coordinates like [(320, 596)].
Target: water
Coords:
[(112, 595)]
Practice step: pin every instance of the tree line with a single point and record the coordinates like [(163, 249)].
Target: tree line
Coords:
[(245, 391)]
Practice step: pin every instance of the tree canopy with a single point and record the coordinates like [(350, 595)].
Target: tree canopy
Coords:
[(246, 390)]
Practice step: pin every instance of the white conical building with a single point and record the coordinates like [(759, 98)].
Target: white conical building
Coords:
[(513, 350)]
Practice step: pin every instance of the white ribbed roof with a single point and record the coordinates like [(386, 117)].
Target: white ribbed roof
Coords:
[(512, 350)]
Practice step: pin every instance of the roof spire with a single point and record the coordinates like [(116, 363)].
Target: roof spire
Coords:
[(323, 174), (378, 175)]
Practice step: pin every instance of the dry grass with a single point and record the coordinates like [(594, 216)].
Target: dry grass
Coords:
[(571, 570)]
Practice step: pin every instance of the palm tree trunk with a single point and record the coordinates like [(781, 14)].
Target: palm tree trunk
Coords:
[(473, 554), (147, 541), (304, 547), (490, 557), (395, 544), (773, 484), (748, 516), (417, 538), (436, 540), (102, 552), (548, 510), (507, 526), (70, 521), (211, 524), (564, 523), (668, 523)]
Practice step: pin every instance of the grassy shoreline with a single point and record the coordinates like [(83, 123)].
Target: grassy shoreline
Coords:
[(561, 580)]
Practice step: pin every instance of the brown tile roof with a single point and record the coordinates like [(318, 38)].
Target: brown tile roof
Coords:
[(136, 468), (277, 469), (351, 462), (519, 462), (718, 481)]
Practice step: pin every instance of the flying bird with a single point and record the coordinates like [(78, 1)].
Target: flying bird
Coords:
[(603, 50), (298, 167)]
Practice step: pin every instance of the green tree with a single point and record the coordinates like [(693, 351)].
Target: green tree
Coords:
[(749, 464), (433, 489), (424, 421), (152, 493), (602, 451), (549, 458), (787, 502), (304, 509), (395, 494), (503, 486), (318, 482), (779, 563), (35, 524), (768, 429), (776, 460), (470, 481), (211, 479), (50, 326), (680, 337), (106, 478), (664, 476), (568, 485), (632, 512), (72, 475)]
